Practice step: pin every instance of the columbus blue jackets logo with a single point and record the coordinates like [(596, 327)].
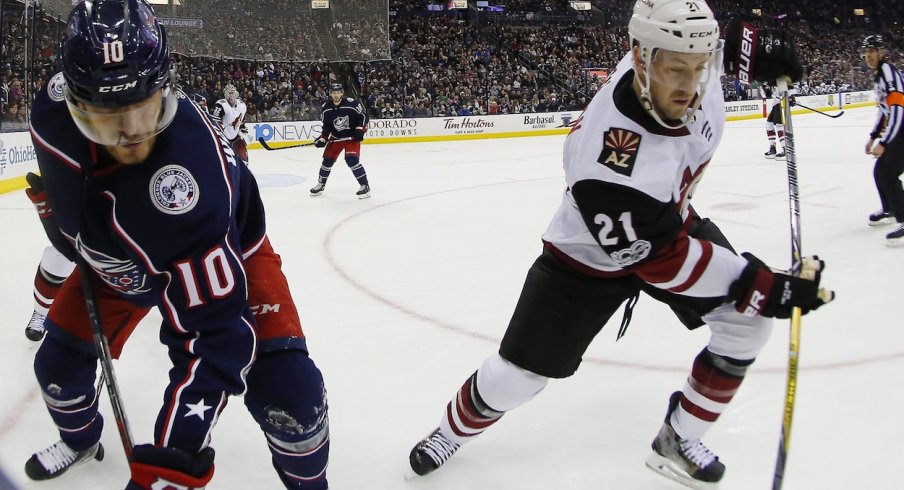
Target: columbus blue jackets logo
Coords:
[(620, 150), (56, 87), (173, 190), (122, 275), (341, 123)]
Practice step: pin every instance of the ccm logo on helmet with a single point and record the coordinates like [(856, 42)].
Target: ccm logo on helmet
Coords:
[(118, 88), (702, 34), (746, 52)]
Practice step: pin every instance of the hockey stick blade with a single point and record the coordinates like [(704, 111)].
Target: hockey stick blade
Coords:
[(270, 148), (833, 116)]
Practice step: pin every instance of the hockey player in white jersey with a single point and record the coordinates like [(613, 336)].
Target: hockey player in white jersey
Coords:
[(632, 161), (230, 111), (775, 129)]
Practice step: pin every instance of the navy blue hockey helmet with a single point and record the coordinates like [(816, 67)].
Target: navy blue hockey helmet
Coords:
[(108, 62), (873, 41), (336, 87), (115, 57)]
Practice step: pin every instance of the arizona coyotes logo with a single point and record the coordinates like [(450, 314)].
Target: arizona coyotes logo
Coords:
[(620, 150)]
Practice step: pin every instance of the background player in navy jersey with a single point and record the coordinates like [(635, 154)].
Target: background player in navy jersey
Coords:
[(886, 140), (632, 161), (146, 188), (344, 123)]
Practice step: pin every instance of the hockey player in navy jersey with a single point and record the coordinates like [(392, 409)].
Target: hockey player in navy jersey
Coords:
[(886, 140), (230, 113), (344, 123), (146, 188), (632, 161)]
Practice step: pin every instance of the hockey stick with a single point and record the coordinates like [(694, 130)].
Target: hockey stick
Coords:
[(796, 257), (826, 114), (270, 148), (105, 358)]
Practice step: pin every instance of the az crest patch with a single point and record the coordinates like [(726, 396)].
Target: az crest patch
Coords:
[(620, 150), (173, 190)]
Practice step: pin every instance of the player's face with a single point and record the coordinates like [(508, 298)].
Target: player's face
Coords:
[(128, 133), (674, 79), (872, 56), (336, 95)]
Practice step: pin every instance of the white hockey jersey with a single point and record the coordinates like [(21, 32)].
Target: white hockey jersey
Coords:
[(629, 180), (231, 118)]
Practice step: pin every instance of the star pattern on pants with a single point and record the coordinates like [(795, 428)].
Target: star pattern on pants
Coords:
[(197, 409)]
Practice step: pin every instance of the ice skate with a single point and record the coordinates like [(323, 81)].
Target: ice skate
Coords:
[(431, 453), (687, 462), (58, 458), (895, 238), (363, 191), (317, 189), (881, 218), (780, 155), (770, 153), (35, 329)]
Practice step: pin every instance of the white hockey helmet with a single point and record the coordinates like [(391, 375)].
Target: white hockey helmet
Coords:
[(231, 93), (683, 26)]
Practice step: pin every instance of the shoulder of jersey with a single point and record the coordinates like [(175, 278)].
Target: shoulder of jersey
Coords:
[(48, 113)]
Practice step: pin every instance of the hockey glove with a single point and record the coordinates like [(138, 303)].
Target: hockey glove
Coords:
[(35, 192), (762, 291), (152, 466), (760, 54), (320, 142), (359, 135)]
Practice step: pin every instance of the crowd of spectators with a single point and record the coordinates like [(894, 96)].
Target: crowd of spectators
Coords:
[(530, 56)]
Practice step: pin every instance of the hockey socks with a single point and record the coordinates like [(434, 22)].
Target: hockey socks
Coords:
[(467, 415), (713, 382)]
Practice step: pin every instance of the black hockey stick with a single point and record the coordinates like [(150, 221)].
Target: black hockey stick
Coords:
[(826, 114), (796, 260), (105, 358), (270, 148)]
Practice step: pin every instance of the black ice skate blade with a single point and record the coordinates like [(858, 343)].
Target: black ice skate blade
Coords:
[(668, 469)]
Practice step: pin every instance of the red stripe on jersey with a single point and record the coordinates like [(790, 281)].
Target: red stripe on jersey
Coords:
[(667, 263), (697, 411), (706, 255)]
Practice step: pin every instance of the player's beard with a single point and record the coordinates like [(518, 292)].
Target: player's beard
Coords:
[(134, 153)]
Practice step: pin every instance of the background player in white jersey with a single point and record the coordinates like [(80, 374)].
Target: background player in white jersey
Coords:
[(774, 127), (624, 226), (56, 261), (230, 112), (889, 149)]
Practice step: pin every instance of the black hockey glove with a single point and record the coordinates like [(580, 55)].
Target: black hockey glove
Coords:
[(762, 291), (760, 54), (320, 142), (176, 467), (359, 135), (35, 192)]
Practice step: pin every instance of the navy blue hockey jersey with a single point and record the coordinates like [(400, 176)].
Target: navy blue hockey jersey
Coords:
[(341, 121), (169, 232)]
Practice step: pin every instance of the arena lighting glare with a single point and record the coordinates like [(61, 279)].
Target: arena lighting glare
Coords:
[(858, 12)]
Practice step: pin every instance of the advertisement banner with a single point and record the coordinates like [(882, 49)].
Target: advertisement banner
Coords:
[(17, 155)]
